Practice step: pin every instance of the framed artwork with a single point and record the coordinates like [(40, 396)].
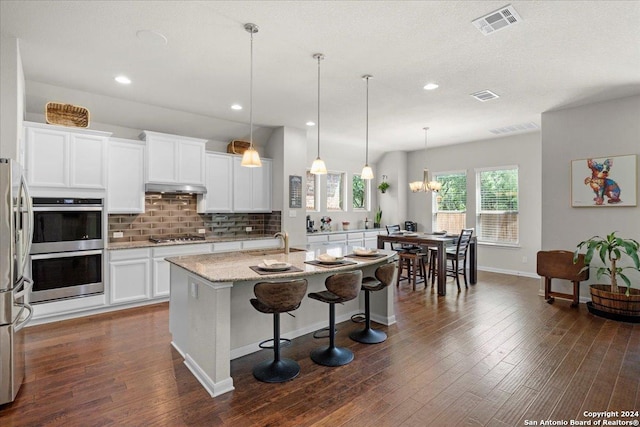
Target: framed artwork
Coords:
[(604, 181), (295, 192)]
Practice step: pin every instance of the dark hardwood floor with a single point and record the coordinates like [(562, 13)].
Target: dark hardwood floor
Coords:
[(495, 354)]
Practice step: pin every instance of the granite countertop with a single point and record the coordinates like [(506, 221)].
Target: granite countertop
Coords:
[(355, 230), (235, 266), (208, 240)]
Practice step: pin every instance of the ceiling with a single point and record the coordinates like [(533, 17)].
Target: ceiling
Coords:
[(562, 53)]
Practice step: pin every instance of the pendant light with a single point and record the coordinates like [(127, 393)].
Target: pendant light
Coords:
[(367, 173), (251, 158), (426, 184), (318, 167)]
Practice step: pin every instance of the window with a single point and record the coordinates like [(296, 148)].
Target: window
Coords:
[(335, 191), (450, 203), (360, 192), (497, 210), (312, 192)]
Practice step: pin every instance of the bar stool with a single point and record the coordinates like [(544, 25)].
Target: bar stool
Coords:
[(413, 263), (384, 277), (341, 287), (275, 298)]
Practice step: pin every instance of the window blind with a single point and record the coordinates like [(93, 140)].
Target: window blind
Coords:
[(497, 211), (450, 203)]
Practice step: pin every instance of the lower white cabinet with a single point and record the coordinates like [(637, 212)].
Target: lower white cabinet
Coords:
[(129, 275), (161, 268)]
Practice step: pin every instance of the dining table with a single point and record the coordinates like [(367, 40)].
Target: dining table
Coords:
[(440, 242)]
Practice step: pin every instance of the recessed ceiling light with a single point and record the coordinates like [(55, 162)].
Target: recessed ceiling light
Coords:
[(123, 80), (431, 86), (152, 37), (311, 123), (236, 107)]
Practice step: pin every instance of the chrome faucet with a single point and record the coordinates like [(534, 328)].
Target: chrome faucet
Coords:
[(285, 240)]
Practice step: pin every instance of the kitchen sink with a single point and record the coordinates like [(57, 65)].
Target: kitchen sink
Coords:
[(274, 251)]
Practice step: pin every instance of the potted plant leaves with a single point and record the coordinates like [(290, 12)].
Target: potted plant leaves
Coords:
[(383, 187), (378, 218), (617, 255)]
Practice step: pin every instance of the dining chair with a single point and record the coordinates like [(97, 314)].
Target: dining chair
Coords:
[(458, 257)]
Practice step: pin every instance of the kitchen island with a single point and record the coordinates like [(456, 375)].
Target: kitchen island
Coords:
[(212, 321)]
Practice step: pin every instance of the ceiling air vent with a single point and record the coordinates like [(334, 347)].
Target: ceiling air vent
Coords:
[(485, 95), (522, 127), (497, 20)]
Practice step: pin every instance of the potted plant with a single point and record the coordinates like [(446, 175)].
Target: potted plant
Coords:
[(615, 253), (378, 218), (383, 187)]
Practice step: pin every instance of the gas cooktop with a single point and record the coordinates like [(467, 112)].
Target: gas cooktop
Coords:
[(169, 239)]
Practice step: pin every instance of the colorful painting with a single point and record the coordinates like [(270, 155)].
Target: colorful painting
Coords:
[(604, 181)]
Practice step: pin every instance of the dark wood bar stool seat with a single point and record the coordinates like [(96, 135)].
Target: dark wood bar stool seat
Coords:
[(413, 264), (341, 287), (383, 278), (275, 298)]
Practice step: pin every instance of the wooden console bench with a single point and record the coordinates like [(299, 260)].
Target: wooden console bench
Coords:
[(559, 265)]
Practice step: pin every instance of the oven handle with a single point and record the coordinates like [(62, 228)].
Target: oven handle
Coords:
[(66, 254), (67, 208), (22, 324)]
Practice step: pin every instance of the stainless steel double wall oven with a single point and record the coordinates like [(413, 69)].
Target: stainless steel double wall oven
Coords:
[(67, 249)]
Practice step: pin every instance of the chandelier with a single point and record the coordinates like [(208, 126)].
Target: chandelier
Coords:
[(426, 184)]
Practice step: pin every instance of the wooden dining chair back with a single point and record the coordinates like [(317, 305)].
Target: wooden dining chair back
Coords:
[(458, 257)]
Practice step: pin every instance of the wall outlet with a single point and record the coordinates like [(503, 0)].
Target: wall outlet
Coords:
[(118, 234), (293, 214), (247, 229), (194, 290), (201, 231), (524, 259)]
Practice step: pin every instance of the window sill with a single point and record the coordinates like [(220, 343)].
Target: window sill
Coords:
[(500, 245)]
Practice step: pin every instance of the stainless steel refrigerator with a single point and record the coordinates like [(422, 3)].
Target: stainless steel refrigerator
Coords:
[(16, 225)]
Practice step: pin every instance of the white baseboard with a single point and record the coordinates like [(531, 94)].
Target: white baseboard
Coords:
[(57, 316), (214, 389), (510, 272)]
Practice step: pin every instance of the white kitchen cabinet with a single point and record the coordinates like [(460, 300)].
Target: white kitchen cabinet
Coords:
[(161, 268), (173, 159), (355, 239), (252, 187), (129, 275), (60, 157), (219, 183), (371, 239), (125, 176)]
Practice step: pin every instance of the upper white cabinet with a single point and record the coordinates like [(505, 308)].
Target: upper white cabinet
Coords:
[(173, 159), (63, 157), (219, 183), (125, 176), (251, 187)]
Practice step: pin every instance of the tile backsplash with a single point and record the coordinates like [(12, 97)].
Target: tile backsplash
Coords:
[(176, 215)]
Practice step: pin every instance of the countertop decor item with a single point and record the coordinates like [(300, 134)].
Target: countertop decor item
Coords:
[(250, 157), (617, 254), (378, 218), (66, 115)]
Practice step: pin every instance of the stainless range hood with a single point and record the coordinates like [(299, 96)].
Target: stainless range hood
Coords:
[(175, 188)]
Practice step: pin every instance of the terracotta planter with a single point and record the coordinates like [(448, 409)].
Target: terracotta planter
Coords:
[(617, 303)]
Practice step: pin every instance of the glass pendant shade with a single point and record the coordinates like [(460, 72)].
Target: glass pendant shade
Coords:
[(367, 172), (251, 158), (318, 167)]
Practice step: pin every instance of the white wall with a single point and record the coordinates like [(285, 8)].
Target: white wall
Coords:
[(597, 130), (394, 202), (12, 105), (521, 150)]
